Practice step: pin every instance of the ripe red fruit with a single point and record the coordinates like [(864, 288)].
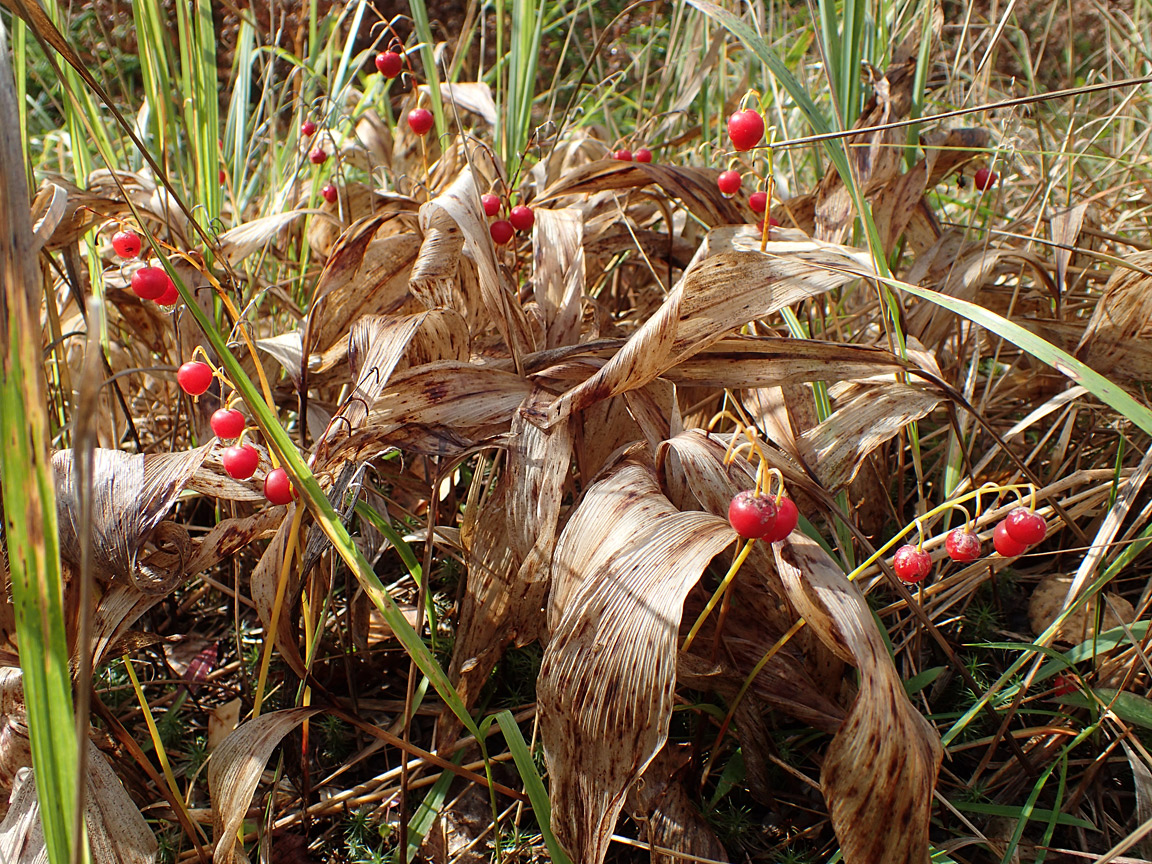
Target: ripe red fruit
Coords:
[(1005, 544), (962, 545), (194, 377), (329, 192), (420, 120), (240, 462), (170, 297), (522, 218), (223, 176), (307, 128), (501, 231), (491, 204), (1025, 526), (318, 156), (729, 182), (1063, 684), (786, 518), (911, 564), (758, 201), (752, 516), (278, 489), (126, 243), (389, 63), (643, 155), (227, 423), (985, 179), (745, 128), (150, 283), (623, 155)]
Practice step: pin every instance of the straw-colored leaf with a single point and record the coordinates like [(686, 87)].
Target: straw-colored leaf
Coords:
[(238, 243), (235, 769), (608, 675), (558, 277), (880, 769)]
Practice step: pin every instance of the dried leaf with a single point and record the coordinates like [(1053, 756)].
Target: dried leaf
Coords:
[(558, 280), (474, 96), (235, 769), (1047, 604), (238, 243), (880, 769), (608, 675)]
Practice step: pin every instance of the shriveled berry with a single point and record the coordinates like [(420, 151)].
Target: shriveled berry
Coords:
[(150, 283), (624, 155), (911, 564), (389, 64), (752, 516), (745, 128), (307, 129), (758, 201), (194, 377), (318, 156), (522, 218), (729, 182), (985, 179), (329, 192), (126, 243), (1025, 526), (962, 545), (491, 204), (786, 518), (420, 120), (643, 155), (227, 423), (1005, 544), (501, 231), (278, 487), (240, 462)]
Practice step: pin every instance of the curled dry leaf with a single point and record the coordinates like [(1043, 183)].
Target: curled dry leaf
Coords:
[(132, 493), (1047, 604), (117, 833), (235, 769), (880, 769), (558, 273), (609, 672), (473, 96), (238, 243)]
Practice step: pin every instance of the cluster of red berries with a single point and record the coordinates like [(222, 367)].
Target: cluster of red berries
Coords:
[(240, 460), (762, 517), (1022, 528), (148, 283), (626, 155), (520, 218)]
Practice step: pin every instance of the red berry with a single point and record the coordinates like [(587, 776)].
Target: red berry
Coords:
[(491, 204), (643, 155), (278, 489), (752, 516), (1064, 684), (729, 182), (329, 192), (622, 155), (773, 222), (307, 128), (501, 231), (786, 518), (1025, 526), (318, 156), (388, 63), (758, 201), (223, 176), (522, 218), (745, 128), (170, 297), (126, 243), (911, 564), (420, 120), (194, 377), (240, 462), (150, 283), (227, 423), (1005, 545), (985, 179), (962, 545)]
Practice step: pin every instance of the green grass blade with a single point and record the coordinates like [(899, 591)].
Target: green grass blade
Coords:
[(29, 497), (428, 59), (533, 785)]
